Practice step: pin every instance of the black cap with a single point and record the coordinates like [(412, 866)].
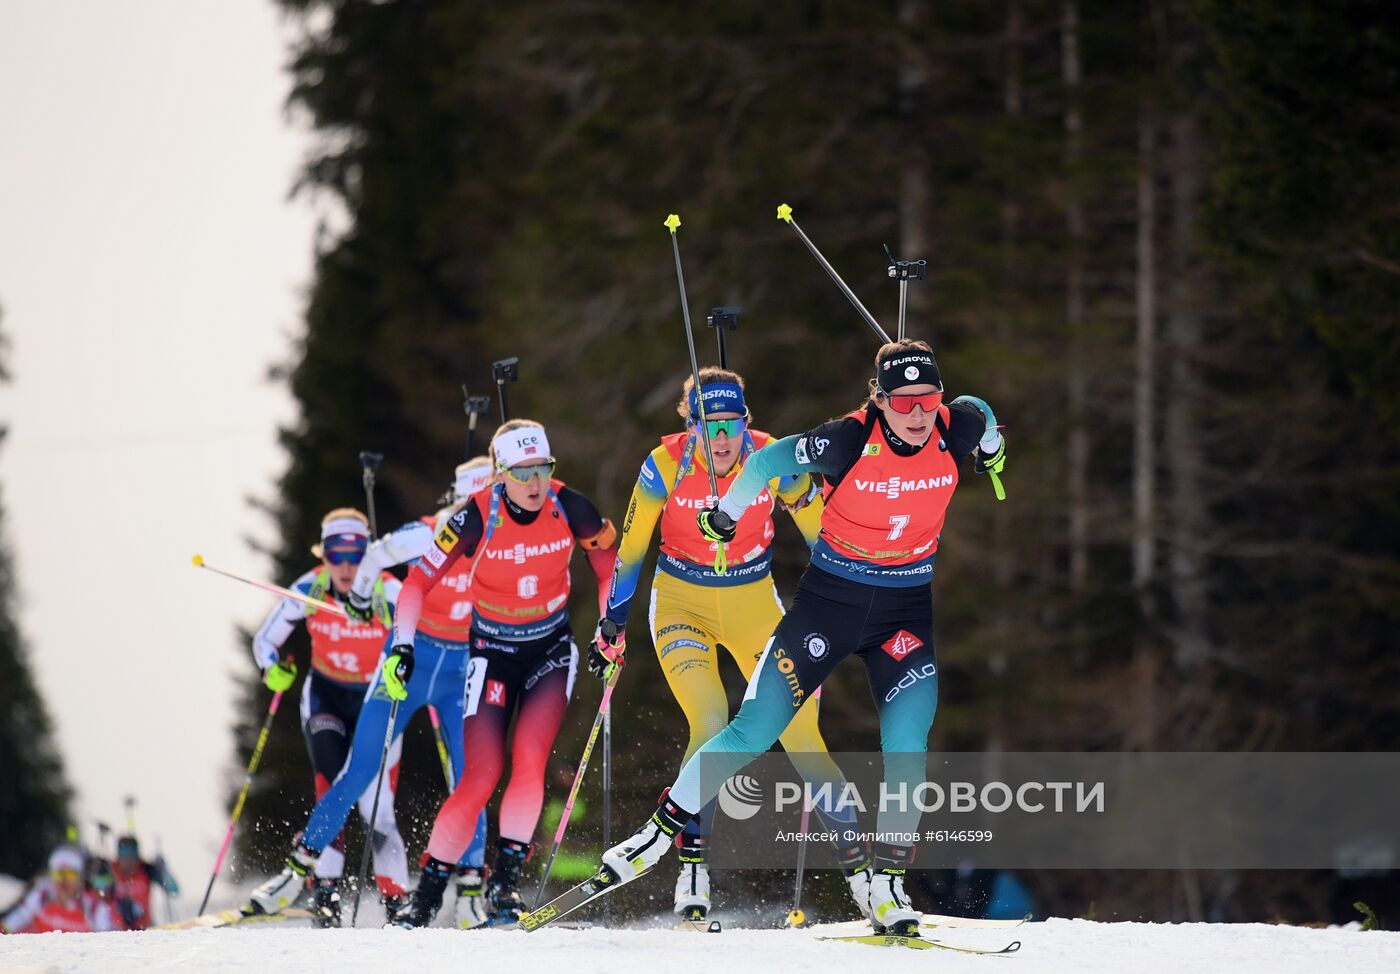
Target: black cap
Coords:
[(906, 367)]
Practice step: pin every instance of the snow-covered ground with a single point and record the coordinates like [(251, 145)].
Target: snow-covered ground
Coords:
[(1052, 947)]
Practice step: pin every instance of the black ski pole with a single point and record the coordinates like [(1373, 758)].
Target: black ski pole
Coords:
[(785, 214), (503, 371), (372, 463), (104, 838), (673, 223), (169, 904), (370, 834), (723, 320)]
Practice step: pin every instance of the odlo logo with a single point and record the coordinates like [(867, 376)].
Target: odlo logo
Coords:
[(741, 797), (926, 672)]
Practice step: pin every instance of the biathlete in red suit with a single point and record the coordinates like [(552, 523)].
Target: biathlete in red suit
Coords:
[(520, 535), (132, 879), (61, 901), (890, 468)]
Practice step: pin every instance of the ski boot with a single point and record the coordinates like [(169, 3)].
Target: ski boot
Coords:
[(325, 902), (393, 903), (692, 901), (859, 881), (503, 901), (284, 889), (471, 904), (423, 905), (890, 910), (643, 849)]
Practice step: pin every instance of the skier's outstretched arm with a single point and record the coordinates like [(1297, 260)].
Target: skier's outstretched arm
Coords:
[(273, 633), (796, 454), (396, 548)]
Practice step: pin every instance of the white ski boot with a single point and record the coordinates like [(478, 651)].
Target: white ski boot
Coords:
[(284, 889), (693, 891), (470, 911), (859, 882), (639, 852), (890, 910)]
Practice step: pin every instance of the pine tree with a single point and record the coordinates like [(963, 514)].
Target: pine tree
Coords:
[(1166, 261), (34, 797)]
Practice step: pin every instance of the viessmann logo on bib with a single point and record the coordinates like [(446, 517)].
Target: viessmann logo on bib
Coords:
[(336, 631), (893, 487), (521, 552), (700, 503)]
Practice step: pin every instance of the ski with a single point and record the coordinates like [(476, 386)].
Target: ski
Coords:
[(700, 926), (971, 923), (919, 943), (235, 918), (930, 921), (590, 889)]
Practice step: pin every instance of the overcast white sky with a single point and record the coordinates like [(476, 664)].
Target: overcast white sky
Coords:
[(151, 269)]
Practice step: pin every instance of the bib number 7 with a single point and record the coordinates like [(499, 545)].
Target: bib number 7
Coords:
[(898, 523)]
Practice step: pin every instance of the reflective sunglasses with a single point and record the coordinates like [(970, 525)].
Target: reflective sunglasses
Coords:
[(72, 874), (345, 556), (729, 427), (525, 472), (905, 404)]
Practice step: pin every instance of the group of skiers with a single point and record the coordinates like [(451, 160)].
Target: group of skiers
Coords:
[(480, 631), (85, 893)]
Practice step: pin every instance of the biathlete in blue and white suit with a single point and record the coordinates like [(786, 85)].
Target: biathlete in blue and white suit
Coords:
[(440, 680)]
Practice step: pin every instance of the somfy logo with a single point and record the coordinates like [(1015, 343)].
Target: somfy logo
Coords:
[(741, 797)]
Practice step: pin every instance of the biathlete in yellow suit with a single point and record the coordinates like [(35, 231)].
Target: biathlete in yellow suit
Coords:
[(696, 609)]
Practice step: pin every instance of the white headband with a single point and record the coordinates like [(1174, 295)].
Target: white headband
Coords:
[(344, 525), (528, 444), (66, 857)]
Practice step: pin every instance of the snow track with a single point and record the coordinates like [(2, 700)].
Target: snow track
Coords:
[(1053, 947)]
